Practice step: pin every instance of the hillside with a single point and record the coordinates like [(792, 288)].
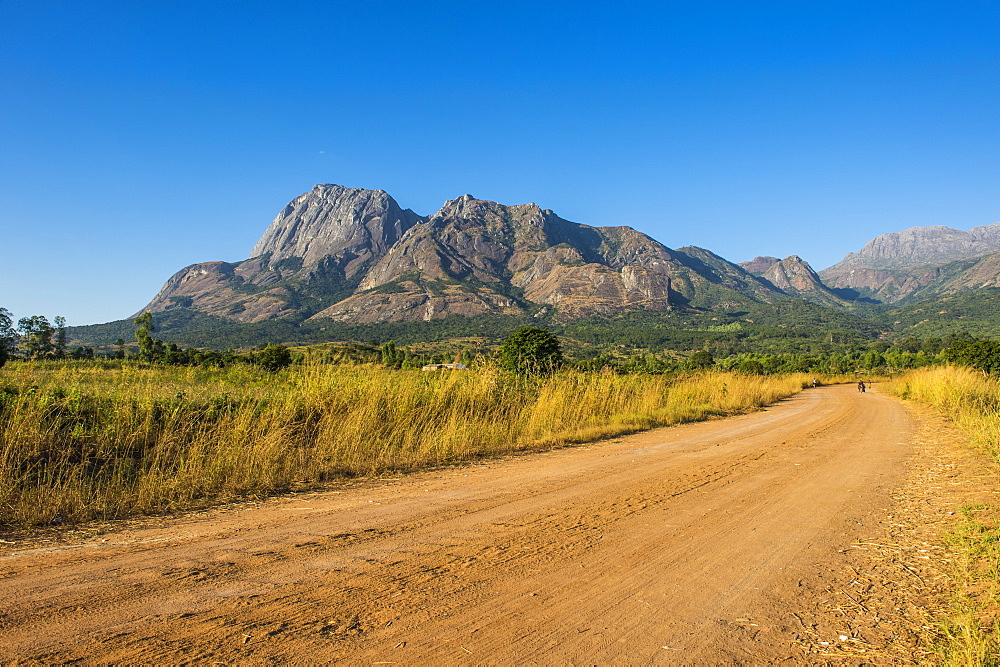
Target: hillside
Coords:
[(907, 285), (976, 312), (340, 263), (918, 263), (920, 246), (313, 253), (355, 256)]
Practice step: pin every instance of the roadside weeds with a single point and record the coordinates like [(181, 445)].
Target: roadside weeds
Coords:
[(919, 588), (967, 404)]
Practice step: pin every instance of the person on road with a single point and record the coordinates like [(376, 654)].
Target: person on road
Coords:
[(815, 383), (861, 386)]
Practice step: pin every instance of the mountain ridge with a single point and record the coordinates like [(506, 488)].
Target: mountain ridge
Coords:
[(355, 255), (352, 257), (918, 262), (919, 246)]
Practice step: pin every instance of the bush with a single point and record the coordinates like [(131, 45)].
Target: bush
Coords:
[(273, 357), (980, 354), (531, 351)]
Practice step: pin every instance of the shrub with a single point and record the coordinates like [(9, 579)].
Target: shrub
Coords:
[(531, 351)]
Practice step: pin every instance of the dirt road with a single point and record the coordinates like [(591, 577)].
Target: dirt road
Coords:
[(699, 544)]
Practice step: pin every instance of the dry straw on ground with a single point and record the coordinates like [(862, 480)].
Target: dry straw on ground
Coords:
[(970, 401)]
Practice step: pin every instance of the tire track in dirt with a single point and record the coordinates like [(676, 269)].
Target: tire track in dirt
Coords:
[(673, 546)]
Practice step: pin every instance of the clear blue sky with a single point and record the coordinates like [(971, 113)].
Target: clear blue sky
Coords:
[(137, 137)]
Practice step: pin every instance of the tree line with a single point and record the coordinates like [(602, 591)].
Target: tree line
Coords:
[(35, 338), (527, 350)]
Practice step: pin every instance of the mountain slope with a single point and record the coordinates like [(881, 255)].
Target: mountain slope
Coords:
[(974, 312), (917, 263), (795, 277), (313, 254), (334, 227), (921, 282), (476, 256), (353, 256), (919, 246)]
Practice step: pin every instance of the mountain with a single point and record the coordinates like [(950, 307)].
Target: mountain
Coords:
[(354, 256), (795, 277), (918, 263), (314, 251), (476, 256), (341, 263), (925, 282), (335, 228), (920, 246), (759, 265)]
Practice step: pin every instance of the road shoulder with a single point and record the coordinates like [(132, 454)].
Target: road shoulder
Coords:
[(886, 601)]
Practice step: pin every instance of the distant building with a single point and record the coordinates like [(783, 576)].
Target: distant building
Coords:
[(444, 367)]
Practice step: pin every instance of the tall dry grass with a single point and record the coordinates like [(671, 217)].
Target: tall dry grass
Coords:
[(972, 401), (80, 441)]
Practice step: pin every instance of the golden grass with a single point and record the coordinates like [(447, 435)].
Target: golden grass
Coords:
[(972, 401), (82, 441)]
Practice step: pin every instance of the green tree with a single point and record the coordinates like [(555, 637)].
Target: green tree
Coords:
[(273, 357), (59, 340), (873, 360), (36, 336), (391, 357), (531, 351), (8, 336), (701, 359), (143, 335), (932, 346), (175, 356), (981, 354), (82, 353)]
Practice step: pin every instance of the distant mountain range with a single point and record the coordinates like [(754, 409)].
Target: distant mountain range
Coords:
[(920, 263), (351, 256)]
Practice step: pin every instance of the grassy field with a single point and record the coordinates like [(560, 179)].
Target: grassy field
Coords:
[(100, 440), (972, 401)]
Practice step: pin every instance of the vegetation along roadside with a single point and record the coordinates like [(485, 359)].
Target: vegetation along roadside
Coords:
[(970, 399), (80, 440)]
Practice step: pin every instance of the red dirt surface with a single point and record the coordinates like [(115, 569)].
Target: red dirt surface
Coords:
[(706, 543)]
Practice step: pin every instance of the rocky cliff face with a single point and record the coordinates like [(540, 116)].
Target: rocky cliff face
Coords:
[(922, 282), (476, 256), (226, 290), (920, 246), (354, 255), (335, 227), (758, 265), (795, 277), (313, 251), (899, 266)]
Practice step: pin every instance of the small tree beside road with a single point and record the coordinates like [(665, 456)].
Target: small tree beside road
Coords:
[(531, 351)]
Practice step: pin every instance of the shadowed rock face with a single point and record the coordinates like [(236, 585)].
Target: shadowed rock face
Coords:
[(476, 256), (354, 255)]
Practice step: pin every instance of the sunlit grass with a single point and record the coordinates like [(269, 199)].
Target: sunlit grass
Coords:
[(81, 441), (972, 401)]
